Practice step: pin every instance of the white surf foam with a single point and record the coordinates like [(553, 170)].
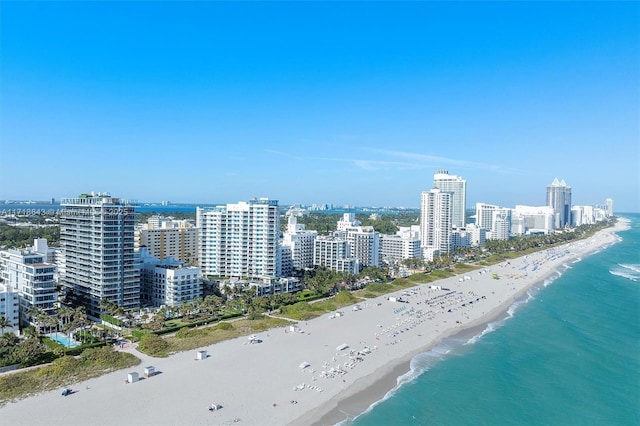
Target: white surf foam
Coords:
[(630, 272)]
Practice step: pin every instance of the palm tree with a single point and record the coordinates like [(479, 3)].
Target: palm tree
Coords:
[(80, 320), (65, 314), (35, 315), (4, 323), (106, 305), (51, 322)]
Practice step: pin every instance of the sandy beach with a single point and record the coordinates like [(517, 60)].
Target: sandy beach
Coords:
[(316, 372)]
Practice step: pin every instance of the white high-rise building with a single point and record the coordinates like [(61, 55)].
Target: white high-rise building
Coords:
[(364, 245), (239, 240), (32, 277), (167, 282), (559, 198), (363, 241), (445, 182), (609, 204), (484, 215), (582, 215), (517, 224), (285, 266), (469, 236), (98, 258), (300, 241), (500, 224), (10, 308), (495, 220), (348, 221), (333, 252), (169, 238), (536, 219), (435, 222), (405, 244)]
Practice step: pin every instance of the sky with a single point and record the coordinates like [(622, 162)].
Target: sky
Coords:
[(353, 103)]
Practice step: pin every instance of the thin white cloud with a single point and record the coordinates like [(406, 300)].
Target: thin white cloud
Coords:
[(434, 160), (403, 161), (364, 164)]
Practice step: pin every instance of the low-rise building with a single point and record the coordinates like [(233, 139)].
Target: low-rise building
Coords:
[(167, 282), (277, 286)]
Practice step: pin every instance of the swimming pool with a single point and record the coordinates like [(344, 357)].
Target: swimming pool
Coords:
[(63, 340)]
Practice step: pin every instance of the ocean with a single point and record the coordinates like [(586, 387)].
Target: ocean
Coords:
[(566, 354)]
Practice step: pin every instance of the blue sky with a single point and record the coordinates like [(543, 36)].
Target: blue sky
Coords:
[(320, 102)]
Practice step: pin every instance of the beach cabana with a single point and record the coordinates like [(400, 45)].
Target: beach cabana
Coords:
[(200, 355), (132, 377), (149, 371)]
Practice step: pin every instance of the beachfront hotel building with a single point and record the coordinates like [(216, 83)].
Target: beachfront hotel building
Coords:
[(333, 253), (239, 240), (165, 237), (559, 198), (436, 209), (167, 282), (469, 236), (10, 308), (495, 220), (582, 215), (484, 215), (535, 219), (363, 241), (445, 182), (98, 258), (300, 243), (32, 277), (404, 244), (609, 206)]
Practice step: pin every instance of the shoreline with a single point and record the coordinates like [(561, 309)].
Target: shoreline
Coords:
[(317, 372), (369, 391)]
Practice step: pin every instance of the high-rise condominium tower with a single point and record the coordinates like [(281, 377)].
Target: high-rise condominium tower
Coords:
[(609, 204), (98, 261), (435, 221), (559, 198), (239, 240), (443, 181)]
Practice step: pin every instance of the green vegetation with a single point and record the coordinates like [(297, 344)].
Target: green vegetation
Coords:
[(25, 352), (63, 372), (326, 223), (303, 311), (191, 338), (379, 288), (154, 345), (22, 236), (142, 217)]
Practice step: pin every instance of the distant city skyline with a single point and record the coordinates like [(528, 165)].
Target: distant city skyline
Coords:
[(354, 103)]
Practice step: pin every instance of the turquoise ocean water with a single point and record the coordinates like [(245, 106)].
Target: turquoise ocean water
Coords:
[(567, 354)]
